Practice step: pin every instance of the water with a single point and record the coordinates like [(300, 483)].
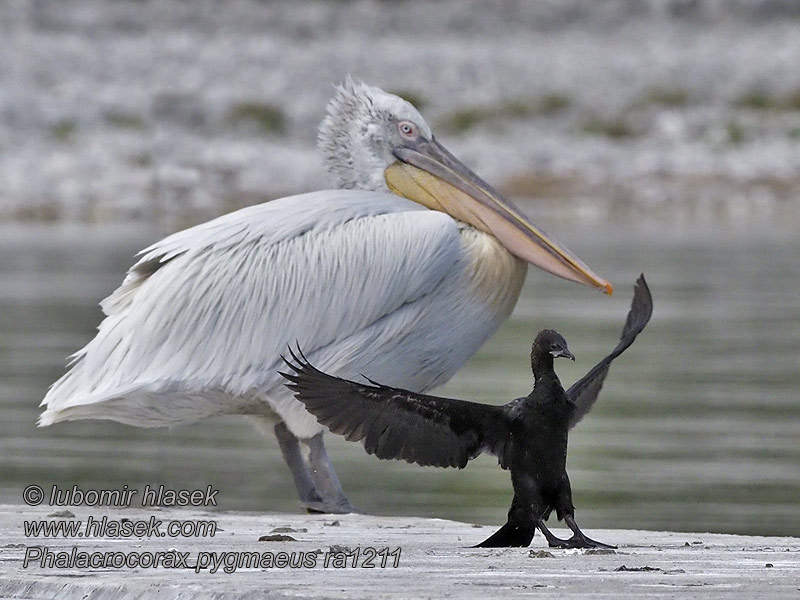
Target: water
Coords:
[(697, 429)]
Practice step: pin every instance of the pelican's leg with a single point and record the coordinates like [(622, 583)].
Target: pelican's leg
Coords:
[(325, 479), (293, 455)]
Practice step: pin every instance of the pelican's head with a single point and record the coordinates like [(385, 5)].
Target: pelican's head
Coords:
[(377, 141)]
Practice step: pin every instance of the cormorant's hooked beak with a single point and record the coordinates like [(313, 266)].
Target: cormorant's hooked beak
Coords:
[(428, 174), (562, 353)]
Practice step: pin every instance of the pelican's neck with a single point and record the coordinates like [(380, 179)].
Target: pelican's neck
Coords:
[(496, 275), (349, 159)]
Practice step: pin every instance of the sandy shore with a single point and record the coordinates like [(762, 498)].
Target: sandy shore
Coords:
[(313, 556)]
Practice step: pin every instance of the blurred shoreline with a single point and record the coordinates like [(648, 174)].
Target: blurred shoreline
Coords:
[(173, 112)]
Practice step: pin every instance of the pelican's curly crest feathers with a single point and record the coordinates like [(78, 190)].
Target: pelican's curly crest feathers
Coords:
[(357, 134)]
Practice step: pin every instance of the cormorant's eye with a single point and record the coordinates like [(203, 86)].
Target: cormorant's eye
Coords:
[(407, 129)]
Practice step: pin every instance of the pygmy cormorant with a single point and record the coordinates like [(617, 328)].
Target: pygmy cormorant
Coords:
[(528, 435)]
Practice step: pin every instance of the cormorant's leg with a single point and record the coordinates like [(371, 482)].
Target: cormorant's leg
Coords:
[(552, 540), (292, 454), (579, 539), (566, 510), (517, 532), (325, 479)]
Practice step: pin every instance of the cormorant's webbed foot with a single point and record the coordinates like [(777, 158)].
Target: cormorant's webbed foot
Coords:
[(578, 539), (509, 535)]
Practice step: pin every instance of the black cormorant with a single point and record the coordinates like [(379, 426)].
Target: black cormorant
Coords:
[(528, 435)]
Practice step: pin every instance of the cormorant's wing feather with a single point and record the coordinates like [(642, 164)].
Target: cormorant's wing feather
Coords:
[(585, 391), (396, 423)]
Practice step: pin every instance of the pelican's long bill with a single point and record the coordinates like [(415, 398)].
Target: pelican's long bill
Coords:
[(428, 174)]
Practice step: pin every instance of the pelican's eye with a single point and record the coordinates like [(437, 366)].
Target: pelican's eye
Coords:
[(408, 130)]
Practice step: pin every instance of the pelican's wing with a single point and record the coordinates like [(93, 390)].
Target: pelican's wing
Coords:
[(584, 392), (396, 423), (200, 321)]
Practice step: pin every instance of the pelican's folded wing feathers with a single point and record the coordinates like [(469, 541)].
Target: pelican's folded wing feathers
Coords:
[(199, 323)]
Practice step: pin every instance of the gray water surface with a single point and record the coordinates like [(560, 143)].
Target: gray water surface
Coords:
[(697, 428)]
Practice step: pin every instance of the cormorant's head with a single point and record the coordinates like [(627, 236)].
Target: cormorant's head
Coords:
[(549, 341)]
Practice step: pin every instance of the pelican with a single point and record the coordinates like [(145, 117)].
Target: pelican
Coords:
[(403, 272)]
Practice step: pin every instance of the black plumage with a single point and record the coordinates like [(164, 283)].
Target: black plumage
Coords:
[(528, 435)]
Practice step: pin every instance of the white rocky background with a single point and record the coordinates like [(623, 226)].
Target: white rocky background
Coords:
[(181, 110)]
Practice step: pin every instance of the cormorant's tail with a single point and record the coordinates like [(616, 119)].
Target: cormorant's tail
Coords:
[(509, 535)]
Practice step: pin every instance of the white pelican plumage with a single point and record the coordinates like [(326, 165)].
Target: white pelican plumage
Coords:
[(402, 274)]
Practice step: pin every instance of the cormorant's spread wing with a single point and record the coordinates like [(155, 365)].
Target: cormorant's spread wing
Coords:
[(396, 423), (584, 392)]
